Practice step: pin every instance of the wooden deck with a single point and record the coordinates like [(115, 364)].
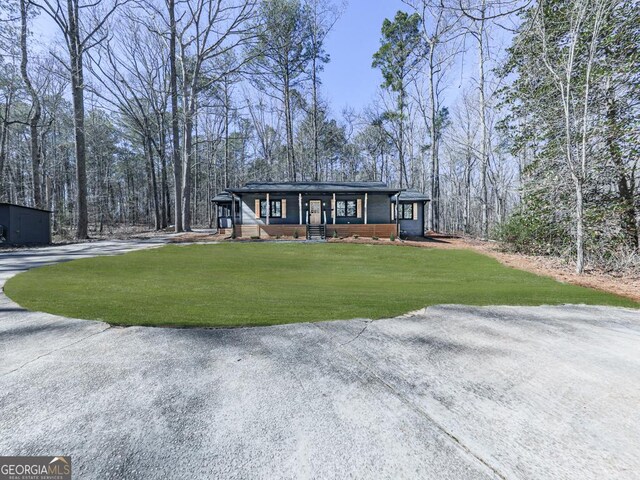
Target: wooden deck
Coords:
[(382, 230)]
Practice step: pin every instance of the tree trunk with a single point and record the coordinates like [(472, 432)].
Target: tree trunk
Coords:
[(226, 134), (4, 138), (152, 177), (314, 120), (34, 118), (484, 160), (175, 128), (186, 165), (579, 226), (403, 173), (467, 195), (77, 94), (435, 165), (166, 195), (291, 159)]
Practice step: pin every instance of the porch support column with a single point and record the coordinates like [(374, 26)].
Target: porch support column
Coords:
[(366, 203), (233, 209), (233, 214), (300, 207), (268, 209), (334, 210), (397, 220)]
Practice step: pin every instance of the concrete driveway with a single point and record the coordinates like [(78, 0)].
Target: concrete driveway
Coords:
[(449, 392)]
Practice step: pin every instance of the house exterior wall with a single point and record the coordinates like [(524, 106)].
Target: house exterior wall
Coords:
[(413, 228), (25, 225), (378, 208)]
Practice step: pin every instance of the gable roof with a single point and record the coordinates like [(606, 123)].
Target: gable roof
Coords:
[(412, 196), (314, 187), (222, 197)]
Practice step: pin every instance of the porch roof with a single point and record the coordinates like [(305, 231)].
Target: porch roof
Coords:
[(315, 187), (412, 196), (222, 197)]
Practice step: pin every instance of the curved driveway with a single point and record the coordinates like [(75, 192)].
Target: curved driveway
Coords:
[(448, 392)]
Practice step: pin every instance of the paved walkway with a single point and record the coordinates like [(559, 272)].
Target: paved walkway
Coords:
[(449, 392)]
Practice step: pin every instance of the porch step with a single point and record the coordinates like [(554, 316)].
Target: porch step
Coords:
[(316, 232)]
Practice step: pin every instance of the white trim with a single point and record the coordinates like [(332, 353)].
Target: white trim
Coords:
[(268, 209), (366, 204), (333, 211)]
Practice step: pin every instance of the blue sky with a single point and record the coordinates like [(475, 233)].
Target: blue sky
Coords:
[(348, 78)]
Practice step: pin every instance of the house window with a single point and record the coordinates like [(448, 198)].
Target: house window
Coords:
[(276, 209), (346, 208), (405, 211)]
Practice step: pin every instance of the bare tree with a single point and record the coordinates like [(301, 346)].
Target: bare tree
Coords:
[(575, 96), (440, 29), (210, 31), (82, 25), (36, 111)]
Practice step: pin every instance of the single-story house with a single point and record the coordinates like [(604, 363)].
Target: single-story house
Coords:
[(319, 209), (20, 225)]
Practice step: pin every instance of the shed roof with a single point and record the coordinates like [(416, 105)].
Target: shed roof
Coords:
[(412, 196), (4, 204), (314, 187)]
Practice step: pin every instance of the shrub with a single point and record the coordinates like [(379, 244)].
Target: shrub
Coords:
[(295, 234), (534, 234), (335, 234), (356, 236), (255, 237), (392, 237), (233, 234), (374, 238)]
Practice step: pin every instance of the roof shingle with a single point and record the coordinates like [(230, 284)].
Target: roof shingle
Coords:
[(314, 187)]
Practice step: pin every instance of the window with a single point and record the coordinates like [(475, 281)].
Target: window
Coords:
[(224, 210), (346, 208), (351, 208), (405, 211), (276, 209)]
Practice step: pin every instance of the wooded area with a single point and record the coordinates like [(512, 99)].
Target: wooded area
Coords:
[(519, 118)]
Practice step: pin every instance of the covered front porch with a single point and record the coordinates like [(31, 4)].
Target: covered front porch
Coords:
[(310, 210)]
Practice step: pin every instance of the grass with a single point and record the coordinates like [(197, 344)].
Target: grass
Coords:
[(271, 283)]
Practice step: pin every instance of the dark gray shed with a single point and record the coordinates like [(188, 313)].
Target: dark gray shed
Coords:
[(24, 225)]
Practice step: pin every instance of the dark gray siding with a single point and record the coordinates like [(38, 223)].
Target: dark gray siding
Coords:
[(248, 209), (25, 225), (379, 210), (5, 216), (413, 228)]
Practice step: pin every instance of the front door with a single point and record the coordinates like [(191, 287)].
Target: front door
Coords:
[(315, 212)]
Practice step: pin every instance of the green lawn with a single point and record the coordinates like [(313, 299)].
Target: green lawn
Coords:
[(270, 283)]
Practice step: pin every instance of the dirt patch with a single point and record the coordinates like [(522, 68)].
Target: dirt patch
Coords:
[(627, 286), (192, 237)]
